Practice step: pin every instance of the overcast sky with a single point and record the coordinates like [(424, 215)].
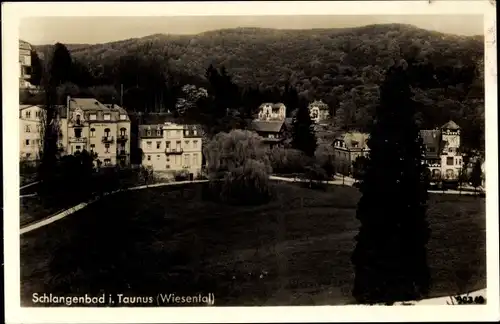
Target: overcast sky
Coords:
[(91, 30)]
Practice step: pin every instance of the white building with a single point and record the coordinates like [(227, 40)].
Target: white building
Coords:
[(171, 148), (443, 155), (318, 110), (84, 124), (269, 111)]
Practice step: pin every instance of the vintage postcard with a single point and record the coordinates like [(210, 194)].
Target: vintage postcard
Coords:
[(250, 161)]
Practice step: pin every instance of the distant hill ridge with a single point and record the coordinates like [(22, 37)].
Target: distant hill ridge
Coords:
[(268, 56)]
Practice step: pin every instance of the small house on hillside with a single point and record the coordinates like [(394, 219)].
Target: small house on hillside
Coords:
[(272, 132), (319, 111), (269, 111)]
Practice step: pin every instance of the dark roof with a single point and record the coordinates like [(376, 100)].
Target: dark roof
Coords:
[(432, 141), (267, 126), (320, 104), (451, 125)]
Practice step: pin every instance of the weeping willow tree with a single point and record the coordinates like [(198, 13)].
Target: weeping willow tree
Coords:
[(238, 167)]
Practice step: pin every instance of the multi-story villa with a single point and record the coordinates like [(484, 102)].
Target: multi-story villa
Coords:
[(269, 111), (348, 147), (442, 145), (24, 65), (85, 124), (171, 148), (443, 156), (30, 132), (318, 110)]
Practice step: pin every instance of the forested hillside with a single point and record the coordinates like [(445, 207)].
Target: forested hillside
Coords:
[(343, 67)]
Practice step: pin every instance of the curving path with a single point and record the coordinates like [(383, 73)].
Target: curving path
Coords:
[(348, 181), (76, 208)]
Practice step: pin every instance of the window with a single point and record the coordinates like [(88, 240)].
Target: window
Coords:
[(37, 114), (449, 161), (158, 157), (107, 116), (38, 127), (186, 132), (195, 159), (28, 155), (78, 148), (92, 147), (106, 146), (194, 132), (123, 131), (167, 166), (28, 129), (450, 149), (167, 144), (78, 119), (187, 143), (158, 132), (148, 144), (92, 132), (106, 132), (195, 144), (107, 162), (28, 114), (270, 136), (123, 117), (186, 159), (168, 159), (149, 157), (177, 159), (78, 132), (432, 149), (27, 143), (158, 145), (93, 116), (148, 132)]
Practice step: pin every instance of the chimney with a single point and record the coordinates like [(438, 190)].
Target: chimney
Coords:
[(68, 99)]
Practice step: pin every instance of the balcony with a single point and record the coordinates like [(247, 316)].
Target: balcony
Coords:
[(122, 138), (174, 151), (77, 139), (77, 123), (107, 139)]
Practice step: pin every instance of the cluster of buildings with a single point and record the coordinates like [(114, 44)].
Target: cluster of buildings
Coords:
[(104, 130), (271, 122), (443, 156)]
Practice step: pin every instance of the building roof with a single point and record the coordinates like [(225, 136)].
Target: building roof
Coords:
[(354, 140), (273, 106), (432, 141), (318, 103), (267, 126), (61, 109), (451, 125), (24, 45)]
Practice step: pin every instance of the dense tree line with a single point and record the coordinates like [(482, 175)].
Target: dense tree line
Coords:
[(343, 67)]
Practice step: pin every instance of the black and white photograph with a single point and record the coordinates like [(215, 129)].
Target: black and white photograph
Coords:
[(194, 160)]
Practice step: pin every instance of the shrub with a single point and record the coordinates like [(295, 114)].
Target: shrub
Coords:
[(247, 184), (325, 157), (317, 177), (286, 161)]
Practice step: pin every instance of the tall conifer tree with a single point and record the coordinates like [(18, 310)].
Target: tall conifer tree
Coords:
[(390, 255), (303, 136)]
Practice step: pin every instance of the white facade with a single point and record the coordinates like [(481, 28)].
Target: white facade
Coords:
[(171, 148), (269, 111)]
